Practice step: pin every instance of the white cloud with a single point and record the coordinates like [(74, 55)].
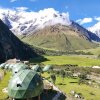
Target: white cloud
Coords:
[(79, 20), (84, 21), (97, 18), (6, 10), (21, 9), (13, 0)]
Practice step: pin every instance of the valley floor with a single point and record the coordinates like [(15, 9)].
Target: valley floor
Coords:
[(82, 60), (67, 84), (71, 84)]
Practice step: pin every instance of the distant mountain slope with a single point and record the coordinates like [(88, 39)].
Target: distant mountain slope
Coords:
[(78, 28), (95, 29), (60, 37), (12, 47)]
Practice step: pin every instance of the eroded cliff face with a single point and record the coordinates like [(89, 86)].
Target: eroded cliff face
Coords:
[(12, 47)]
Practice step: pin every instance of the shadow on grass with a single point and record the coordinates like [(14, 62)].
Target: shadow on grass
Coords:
[(38, 60), (61, 84), (72, 82)]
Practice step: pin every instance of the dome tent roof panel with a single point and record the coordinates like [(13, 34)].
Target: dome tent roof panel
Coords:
[(27, 83)]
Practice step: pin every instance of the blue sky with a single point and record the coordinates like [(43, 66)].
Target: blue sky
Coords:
[(78, 9)]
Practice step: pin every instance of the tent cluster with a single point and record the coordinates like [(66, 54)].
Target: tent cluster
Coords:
[(25, 82), (20, 66), (6, 66)]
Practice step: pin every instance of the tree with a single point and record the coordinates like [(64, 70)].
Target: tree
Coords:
[(63, 74), (53, 77), (83, 78)]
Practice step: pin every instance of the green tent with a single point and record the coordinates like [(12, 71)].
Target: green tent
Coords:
[(2, 66), (36, 68), (25, 84), (11, 66), (6, 66), (47, 68), (18, 67)]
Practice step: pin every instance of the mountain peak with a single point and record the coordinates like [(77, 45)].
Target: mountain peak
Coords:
[(37, 20)]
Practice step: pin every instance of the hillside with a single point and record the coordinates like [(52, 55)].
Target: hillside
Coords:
[(59, 37), (12, 47), (91, 36)]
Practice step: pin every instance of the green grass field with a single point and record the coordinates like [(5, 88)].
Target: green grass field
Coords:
[(84, 89), (75, 59), (4, 84), (70, 84)]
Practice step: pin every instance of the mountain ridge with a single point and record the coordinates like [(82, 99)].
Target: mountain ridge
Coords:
[(59, 37), (20, 24), (12, 47)]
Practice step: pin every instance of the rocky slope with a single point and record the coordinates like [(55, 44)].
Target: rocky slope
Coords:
[(12, 47), (95, 29), (91, 36)]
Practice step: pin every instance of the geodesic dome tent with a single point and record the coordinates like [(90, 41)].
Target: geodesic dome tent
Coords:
[(18, 67), (7, 66), (36, 68), (11, 66), (2, 66), (47, 68), (25, 84)]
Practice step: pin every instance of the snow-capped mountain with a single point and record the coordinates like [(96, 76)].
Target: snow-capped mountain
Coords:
[(20, 21), (23, 22), (78, 28), (95, 29)]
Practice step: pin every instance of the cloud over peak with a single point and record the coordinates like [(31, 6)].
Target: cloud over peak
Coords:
[(84, 20), (22, 20), (21, 9), (97, 18)]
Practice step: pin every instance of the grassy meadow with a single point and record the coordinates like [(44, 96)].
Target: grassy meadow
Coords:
[(95, 51), (69, 84), (72, 59), (4, 84)]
